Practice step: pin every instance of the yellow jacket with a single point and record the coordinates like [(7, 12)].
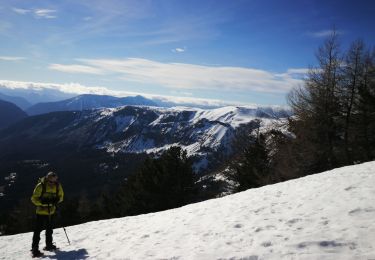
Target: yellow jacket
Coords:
[(41, 201)]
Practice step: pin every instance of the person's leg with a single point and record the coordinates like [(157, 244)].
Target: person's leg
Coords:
[(38, 227), (49, 231)]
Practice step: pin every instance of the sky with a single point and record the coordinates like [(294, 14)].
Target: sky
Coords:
[(239, 52)]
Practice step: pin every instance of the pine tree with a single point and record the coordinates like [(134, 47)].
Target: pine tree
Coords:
[(84, 208), (316, 110), (162, 183), (21, 219), (334, 111), (365, 110), (253, 169)]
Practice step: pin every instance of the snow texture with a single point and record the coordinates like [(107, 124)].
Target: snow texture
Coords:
[(324, 216)]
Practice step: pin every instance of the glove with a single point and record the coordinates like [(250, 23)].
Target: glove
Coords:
[(55, 200), (44, 201), (49, 201)]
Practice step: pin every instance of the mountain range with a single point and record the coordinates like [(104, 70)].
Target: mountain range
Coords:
[(10, 113), (133, 129), (18, 101), (86, 102)]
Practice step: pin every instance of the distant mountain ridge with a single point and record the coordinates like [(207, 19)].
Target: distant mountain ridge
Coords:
[(18, 101), (10, 113), (135, 129), (88, 101)]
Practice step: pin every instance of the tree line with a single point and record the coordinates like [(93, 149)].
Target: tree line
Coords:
[(333, 122)]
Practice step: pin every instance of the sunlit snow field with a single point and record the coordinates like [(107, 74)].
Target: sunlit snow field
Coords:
[(330, 215)]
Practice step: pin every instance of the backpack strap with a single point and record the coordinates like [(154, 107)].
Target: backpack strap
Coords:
[(44, 187), (42, 181)]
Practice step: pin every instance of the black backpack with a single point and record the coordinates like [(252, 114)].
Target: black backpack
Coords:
[(43, 182)]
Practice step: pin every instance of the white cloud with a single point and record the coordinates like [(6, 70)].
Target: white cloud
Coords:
[(323, 33), (76, 88), (75, 68), (178, 50), (298, 71), (21, 10), (38, 13), (45, 13), (11, 58), (188, 76), (73, 88)]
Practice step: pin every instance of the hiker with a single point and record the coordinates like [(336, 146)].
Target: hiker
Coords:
[(47, 193)]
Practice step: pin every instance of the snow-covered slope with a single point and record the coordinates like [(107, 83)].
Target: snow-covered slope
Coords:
[(323, 216)]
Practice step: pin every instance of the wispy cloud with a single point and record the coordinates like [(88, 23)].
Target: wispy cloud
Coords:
[(21, 10), (37, 13), (178, 50), (295, 73), (323, 33), (11, 58), (75, 69), (45, 13), (186, 76), (298, 71)]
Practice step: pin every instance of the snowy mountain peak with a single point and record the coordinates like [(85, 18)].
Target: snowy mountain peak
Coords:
[(323, 216)]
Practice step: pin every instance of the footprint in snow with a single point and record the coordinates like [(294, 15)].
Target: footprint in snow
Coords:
[(327, 244), (360, 211), (258, 229), (267, 244), (238, 226), (293, 221), (349, 188)]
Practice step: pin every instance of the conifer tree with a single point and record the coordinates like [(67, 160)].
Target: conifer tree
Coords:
[(253, 169), (316, 110), (162, 183)]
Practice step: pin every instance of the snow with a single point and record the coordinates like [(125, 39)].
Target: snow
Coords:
[(324, 216), (123, 122)]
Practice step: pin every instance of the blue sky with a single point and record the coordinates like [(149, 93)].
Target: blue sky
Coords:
[(237, 51)]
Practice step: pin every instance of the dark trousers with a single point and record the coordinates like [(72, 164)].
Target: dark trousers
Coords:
[(42, 222)]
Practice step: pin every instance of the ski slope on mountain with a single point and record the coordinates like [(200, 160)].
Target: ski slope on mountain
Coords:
[(324, 216)]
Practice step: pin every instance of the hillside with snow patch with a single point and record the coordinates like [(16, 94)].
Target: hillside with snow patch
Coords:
[(323, 216)]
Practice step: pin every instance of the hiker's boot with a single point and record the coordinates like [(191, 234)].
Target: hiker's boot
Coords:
[(50, 247), (36, 253)]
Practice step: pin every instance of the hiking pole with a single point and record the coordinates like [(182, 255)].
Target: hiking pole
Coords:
[(66, 235)]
